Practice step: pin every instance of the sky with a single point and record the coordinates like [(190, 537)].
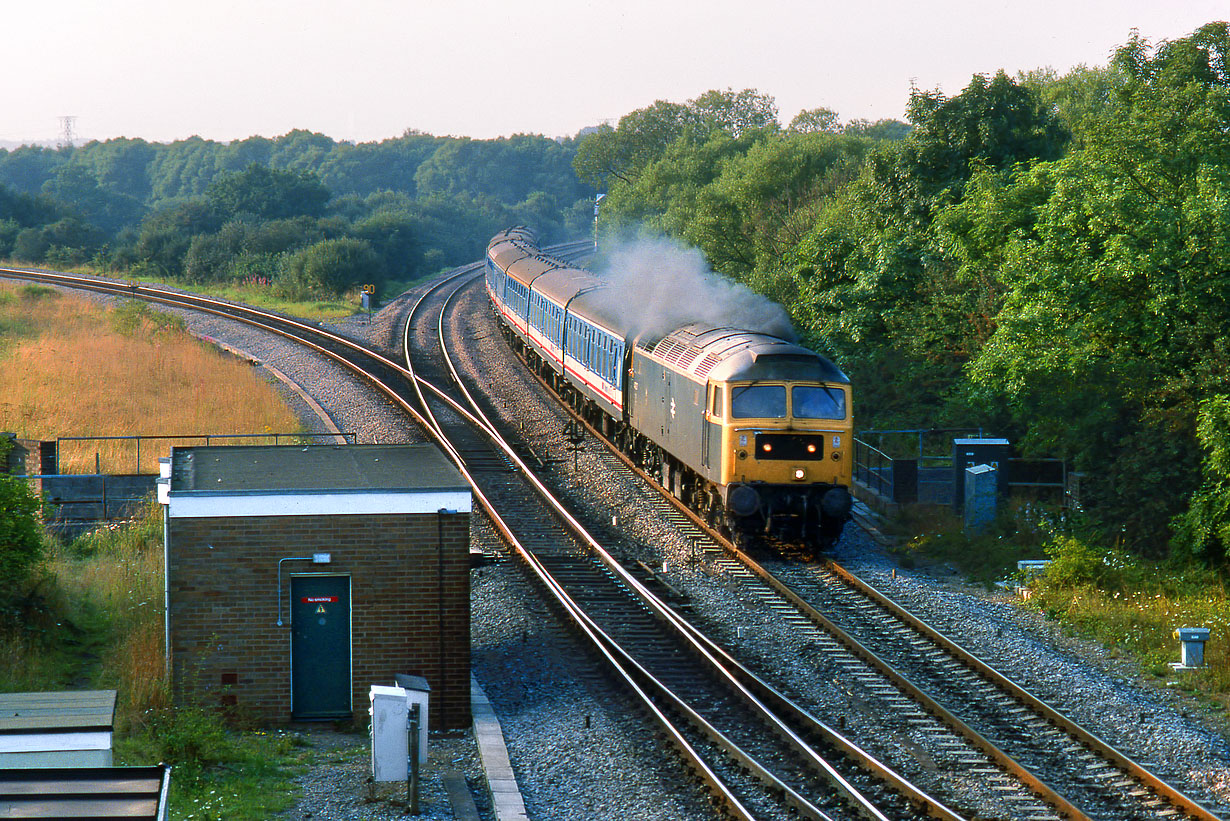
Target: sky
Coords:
[(367, 70)]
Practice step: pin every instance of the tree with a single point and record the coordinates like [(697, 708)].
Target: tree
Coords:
[(268, 193), (1081, 98), (392, 236), (879, 130), (664, 194), (27, 169), (994, 122), (209, 256), (641, 137), (734, 112), (110, 210), (1113, 335), (301, 150), (28, 210), (1203, 530), (121, 166), (507, 169), (811, 120), (183, 169), (766, 200), (165, 236)]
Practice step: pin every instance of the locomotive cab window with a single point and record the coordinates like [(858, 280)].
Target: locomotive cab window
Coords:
[(758, 402), (717, 402), (817, 402)]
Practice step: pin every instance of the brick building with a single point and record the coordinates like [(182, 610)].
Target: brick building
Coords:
[(296, 577)]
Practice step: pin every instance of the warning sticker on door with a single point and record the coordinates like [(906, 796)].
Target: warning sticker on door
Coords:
[(318, 599)]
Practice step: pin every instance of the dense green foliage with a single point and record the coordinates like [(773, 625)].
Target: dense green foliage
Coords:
[(274, 211), (1042, 256), (21, 533)]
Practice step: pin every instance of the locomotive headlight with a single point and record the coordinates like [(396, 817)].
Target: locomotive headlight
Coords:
[(800, 474), (811, 447), (767, 447)]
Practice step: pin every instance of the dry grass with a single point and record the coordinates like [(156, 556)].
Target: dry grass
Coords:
[(118, 571), (69, 367), (72, 367)]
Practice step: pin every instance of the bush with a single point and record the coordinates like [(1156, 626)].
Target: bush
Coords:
[(191, 737), (21, 539), (330, 267), (133, 317)]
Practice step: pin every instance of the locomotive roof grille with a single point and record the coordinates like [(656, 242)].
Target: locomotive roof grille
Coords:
[(676, 352), (707, 364)]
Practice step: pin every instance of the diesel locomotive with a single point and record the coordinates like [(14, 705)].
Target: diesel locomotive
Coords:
[(753, 432)]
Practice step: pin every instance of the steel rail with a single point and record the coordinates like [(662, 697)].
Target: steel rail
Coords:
[(665, 612), (1037, 705), (567, 248), (1039, 787), (603, 644), (608, 647), (1043, 710)]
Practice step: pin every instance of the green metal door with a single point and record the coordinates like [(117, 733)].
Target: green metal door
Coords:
[(320, 647)]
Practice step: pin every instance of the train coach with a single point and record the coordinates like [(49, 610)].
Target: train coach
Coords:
[(750, 430)]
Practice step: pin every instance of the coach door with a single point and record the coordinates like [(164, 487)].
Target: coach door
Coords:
[(320, 647)]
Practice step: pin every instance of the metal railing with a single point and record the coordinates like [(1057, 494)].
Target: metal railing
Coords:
[(885, 440), (873, 468), (930, 479), (205, 439)]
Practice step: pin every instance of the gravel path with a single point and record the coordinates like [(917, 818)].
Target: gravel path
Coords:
[(577, 751)]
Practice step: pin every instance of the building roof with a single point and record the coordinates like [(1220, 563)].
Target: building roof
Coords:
[(325, 468), (85, 792), (78, 710), (314, 480)]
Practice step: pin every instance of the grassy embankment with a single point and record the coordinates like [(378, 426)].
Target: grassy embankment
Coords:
[(1130, 605), (263, 295), (93, 614)]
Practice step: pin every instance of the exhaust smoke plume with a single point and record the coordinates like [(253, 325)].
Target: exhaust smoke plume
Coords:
[(658, 285)]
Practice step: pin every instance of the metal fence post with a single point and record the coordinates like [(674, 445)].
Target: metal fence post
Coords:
[(412, 776)]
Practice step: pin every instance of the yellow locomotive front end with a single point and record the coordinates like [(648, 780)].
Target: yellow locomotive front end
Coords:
[(748, 428), (786, 432)]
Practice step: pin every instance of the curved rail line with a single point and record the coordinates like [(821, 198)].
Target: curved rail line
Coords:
[(664, 613), (363, 362), (344, 351), (832, 738), (1137, 788)]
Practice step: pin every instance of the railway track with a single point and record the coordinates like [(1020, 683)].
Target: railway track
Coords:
[(797, 781), (1092, 780), (1100, 780), (1043, 764), (761, 764)]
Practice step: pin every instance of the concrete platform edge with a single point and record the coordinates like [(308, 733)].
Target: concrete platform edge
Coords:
[(501, 782)]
